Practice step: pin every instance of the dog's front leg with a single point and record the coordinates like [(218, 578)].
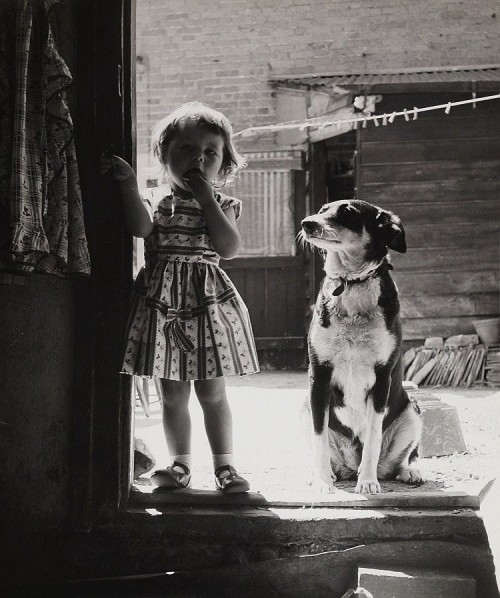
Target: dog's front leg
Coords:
[(319, 383), (372, 440)]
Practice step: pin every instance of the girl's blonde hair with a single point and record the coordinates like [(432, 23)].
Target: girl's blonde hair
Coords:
[(204, 116)]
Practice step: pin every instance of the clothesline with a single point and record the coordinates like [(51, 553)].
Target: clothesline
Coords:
[(384, 118)]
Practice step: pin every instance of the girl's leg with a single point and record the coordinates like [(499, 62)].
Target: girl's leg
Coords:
[(176, 417), (177, 428), (219, 426), (216, 413)]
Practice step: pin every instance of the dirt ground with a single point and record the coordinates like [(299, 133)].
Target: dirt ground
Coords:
[(271, 440)]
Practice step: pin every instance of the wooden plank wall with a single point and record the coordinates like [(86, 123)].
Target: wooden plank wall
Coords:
[(441, 175), (272, 289)]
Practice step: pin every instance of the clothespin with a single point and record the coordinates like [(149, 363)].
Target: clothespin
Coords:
[(375, 121), (384, 119), (365, 123), (448, 108), (474, 95), (405, 114), (392, 117), (415, 113)]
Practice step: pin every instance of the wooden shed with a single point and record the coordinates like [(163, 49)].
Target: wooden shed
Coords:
[(439, 172)]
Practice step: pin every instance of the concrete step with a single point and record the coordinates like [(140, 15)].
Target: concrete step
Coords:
[(416, 583)]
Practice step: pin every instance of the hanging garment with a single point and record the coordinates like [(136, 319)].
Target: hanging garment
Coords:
[(41, 209)]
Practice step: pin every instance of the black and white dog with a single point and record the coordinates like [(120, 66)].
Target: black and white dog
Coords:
[(363, 420)]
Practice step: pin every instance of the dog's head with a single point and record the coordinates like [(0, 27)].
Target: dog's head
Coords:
[(351, 225)]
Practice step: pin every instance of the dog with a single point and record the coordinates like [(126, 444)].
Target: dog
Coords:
[(364, 423)]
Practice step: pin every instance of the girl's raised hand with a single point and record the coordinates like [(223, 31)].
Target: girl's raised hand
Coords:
[(120, 169), (200, 186)]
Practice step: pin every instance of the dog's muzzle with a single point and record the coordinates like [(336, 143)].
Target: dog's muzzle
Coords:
[(310, 227)]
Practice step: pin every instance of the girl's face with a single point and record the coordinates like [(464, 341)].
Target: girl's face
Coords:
[(193, 147)]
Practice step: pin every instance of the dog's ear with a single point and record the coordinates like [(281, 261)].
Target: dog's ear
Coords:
[(393, 231), (398, 240)]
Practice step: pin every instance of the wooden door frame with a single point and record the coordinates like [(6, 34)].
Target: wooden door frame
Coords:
[(101, 435)]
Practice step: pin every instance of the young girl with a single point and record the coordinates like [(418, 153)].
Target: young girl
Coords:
[(187, 320)]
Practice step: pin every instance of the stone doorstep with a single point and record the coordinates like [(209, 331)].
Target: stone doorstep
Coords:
[(416, 583), (170, 532), (148, 496)]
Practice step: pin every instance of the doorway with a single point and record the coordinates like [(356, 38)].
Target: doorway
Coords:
[(341, 163), (269, 274), (334, 171)]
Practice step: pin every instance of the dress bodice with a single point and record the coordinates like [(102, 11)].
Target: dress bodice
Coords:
[(180, 231)]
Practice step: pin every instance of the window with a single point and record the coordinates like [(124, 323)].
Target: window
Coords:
[(267, 221)]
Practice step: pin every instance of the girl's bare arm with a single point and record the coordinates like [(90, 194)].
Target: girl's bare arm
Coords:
[(222, 229), (136, 216)]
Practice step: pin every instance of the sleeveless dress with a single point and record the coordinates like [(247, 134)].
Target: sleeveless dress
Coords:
[(187, 320)]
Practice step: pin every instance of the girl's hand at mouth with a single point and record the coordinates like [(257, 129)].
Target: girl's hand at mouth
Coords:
[(200, 186)]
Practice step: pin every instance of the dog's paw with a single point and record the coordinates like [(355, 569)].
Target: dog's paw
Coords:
[(368, 487), (411, 475)]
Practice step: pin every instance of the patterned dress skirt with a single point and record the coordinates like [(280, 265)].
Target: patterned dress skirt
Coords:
[(188, 322)]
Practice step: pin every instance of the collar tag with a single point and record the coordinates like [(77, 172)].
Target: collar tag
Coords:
[(340, 288)]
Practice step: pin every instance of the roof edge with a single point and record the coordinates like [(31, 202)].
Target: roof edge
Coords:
[(401, 71)]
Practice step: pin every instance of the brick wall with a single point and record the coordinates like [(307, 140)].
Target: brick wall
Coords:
[(223, 51)]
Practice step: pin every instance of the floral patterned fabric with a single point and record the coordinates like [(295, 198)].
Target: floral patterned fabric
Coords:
[(187, 321), (41, 214)]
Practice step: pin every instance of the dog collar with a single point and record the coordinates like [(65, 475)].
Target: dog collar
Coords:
[(344, 282)]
